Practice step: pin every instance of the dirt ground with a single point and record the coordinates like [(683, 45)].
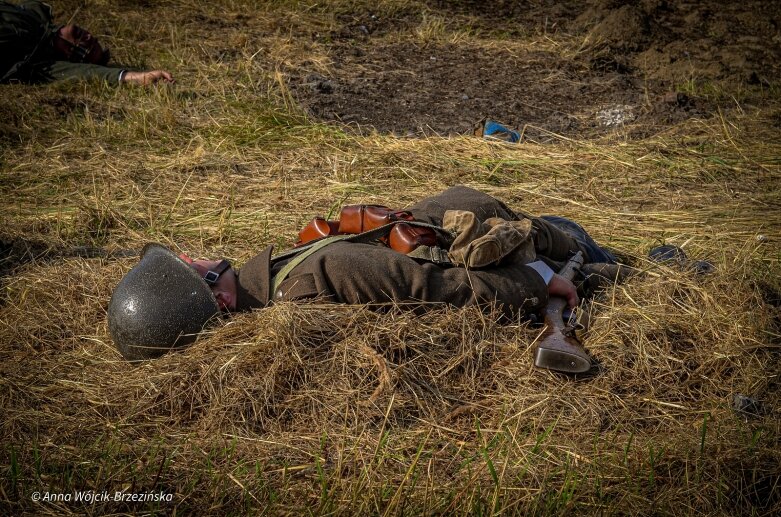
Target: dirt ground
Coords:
[(594, 67)]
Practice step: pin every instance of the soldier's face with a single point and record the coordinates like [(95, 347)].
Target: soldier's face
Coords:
[(78, 45), (224, 288)]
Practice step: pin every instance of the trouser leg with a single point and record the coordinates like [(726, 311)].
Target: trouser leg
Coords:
[(556, 237), (559, 237)]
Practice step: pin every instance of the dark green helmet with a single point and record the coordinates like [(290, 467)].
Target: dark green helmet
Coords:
[(161, 304)]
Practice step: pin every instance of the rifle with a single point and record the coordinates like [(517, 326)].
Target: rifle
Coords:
[(559, 349)]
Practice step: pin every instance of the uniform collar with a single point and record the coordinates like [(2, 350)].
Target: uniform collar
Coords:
[(253, 282)]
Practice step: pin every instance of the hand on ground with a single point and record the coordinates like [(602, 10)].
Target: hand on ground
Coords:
[(147, 78), (560, 286)]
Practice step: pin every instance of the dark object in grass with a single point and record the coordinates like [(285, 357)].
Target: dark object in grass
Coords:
[(559, 349), (746, 406), (668, 254), (702, 267), (674, 256)]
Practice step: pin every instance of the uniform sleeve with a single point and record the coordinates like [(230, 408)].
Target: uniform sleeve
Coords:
[(65, 70), (362, 273)]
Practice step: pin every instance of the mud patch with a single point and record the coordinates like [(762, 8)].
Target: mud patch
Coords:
[(614, 66), (705, 40), (408, 89)]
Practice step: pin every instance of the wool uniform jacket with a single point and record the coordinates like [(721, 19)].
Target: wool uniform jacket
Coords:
[(355, 273), (26, 52)]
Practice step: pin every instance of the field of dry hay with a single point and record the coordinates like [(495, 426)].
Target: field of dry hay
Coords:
[(327, 409)]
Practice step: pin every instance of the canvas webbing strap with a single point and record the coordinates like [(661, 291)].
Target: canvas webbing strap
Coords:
[(322, 243), (431, 253)]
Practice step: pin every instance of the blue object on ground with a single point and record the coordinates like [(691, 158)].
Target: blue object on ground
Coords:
[(493, 129)]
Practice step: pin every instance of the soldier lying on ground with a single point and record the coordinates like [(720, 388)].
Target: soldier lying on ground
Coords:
[(35, 50), (165, 300)]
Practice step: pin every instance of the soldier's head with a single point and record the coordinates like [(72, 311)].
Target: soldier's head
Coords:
[(76, 44), (221, 278), (166, 300)]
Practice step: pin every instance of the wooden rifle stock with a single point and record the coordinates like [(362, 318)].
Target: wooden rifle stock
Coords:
[(558, 350)]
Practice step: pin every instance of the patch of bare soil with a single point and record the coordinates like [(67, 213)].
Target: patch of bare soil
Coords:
[(446, 88), (640, 66)]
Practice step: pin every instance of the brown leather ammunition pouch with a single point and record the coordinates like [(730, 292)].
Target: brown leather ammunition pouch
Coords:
[(317, 228), (356, 219), (362, 218), (404, 238)]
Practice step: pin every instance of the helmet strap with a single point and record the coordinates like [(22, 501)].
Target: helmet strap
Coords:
[(212, 275), (79, 54)]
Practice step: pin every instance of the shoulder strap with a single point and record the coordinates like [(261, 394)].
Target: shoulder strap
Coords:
[(302, 255)]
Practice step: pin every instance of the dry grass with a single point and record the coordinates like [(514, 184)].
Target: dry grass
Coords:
[(329, 409)]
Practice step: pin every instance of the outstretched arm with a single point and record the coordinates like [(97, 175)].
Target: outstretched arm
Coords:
[(64, 70)]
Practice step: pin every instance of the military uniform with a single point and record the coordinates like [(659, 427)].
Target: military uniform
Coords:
[(26, 51), (355, 273)]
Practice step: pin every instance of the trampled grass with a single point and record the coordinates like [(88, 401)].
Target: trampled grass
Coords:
[(324, 409)]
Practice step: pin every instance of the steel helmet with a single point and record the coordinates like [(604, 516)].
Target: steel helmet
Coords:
[(161, 304)]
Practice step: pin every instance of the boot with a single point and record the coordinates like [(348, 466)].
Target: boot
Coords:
[(600, 275), (674, 256)]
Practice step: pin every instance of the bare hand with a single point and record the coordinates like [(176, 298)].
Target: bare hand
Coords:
[(560, 286), (147, 78)]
